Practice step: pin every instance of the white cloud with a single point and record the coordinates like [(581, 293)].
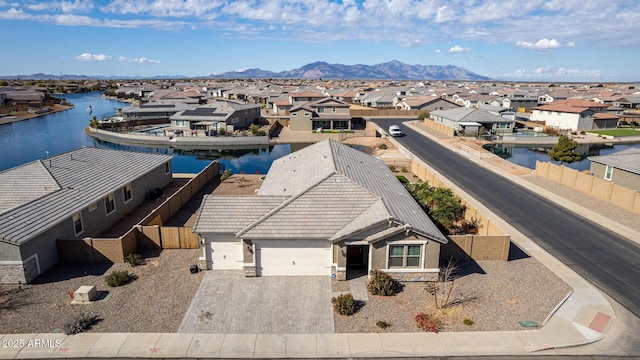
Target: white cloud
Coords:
[(555, 73), (459, 49), (14, 14), (438, 50), (542, 44), (92, 57), (124, 59), (142, 60), (419, 22)]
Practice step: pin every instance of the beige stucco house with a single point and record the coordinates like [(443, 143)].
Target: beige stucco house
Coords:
[(327, 113), (325, 210)]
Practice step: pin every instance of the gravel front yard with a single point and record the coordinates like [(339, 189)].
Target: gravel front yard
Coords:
[(155, 302), (495, 295)]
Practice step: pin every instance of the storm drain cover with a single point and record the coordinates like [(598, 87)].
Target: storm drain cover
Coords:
[(528, 323)]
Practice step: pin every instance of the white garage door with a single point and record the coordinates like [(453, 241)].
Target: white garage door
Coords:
[(226, 255), (294, 258)]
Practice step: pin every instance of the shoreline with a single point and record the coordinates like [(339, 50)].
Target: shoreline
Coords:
[(23, 115)]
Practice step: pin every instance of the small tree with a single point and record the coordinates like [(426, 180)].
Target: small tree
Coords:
[(442, 288), (563, 150), (423, 115), (94, 122)]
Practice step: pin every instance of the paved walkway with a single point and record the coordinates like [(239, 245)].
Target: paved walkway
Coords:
[(587, 323)]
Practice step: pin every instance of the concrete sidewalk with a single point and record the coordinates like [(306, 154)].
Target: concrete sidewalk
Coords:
[(586, 323)]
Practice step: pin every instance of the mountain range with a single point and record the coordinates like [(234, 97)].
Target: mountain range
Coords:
[(392, 70)]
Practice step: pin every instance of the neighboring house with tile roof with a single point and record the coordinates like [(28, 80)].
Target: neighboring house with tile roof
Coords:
[(425, 103), (574, 115), (220, 114), (469, 121), (69, 196), (621, 168), (326, 113), (629, 102), (327, 209)]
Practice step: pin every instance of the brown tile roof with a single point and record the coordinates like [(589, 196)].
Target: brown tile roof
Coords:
[(571, 106)]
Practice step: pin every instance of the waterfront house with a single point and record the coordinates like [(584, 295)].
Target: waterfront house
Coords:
[(621, 168), (156, 110), (469, 121), (574, 115), (70, 196), (327, 113), (325, 210), (221, 114)]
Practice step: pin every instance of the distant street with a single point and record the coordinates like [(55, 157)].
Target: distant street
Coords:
[(602, 257)]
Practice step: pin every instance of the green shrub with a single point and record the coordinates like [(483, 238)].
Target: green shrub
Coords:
[(382, 146), (222, 131), (344, 304), (382, 324), (392, 167), (404, 169), (133, 259), (468, 322), (79, 323), (428, 322), (254, 129), (262, 133), (382, 284), (225, 175), (119, 278)]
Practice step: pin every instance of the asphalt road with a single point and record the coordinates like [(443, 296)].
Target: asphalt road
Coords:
[(607, 260)]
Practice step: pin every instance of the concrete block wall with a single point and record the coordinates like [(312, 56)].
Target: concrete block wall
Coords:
[(441, 128), (599, 188), (478, 247)]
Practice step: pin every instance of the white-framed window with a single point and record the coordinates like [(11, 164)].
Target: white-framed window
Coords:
[(179, 123), (321, 109), (405, 256), (93, 206), (294, 114), (608, 172), (77, 223), (110, 204), (126, 191), (333, 109), (307, 114)]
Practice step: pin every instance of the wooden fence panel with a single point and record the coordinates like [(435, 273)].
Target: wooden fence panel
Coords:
[(170, 237), (188, 239)]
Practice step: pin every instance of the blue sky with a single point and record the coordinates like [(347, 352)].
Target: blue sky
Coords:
[(532, 40)]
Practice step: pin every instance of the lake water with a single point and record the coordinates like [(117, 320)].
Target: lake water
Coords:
[(527, 155), (28, 140)]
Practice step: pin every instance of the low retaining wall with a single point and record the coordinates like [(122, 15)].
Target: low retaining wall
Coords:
[(179, 141), (599, 188)]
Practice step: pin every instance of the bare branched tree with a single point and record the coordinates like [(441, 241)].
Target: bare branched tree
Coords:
[(442, 289)]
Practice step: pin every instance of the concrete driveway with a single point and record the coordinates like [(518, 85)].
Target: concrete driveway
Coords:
[(229, 303)]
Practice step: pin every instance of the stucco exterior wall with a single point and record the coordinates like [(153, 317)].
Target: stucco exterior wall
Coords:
[(300, 122), (618, 176)]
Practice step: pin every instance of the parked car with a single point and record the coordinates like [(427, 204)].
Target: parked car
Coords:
[(394, 130)]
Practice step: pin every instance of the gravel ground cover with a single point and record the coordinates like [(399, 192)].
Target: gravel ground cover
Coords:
[(155, 302), (495, 295)]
